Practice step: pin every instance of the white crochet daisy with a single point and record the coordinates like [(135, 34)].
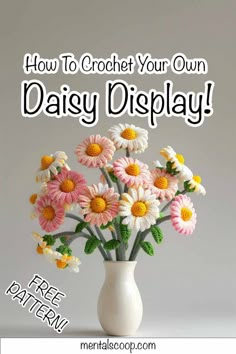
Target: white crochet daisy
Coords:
[(140, 208), (129, 136), (177, 163), (195, 182), (49, 166), (62, 260)]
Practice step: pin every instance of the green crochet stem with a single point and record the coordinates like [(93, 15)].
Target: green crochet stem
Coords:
[(119, 187), (135, 245), (75, 235), (141, 237), (169, 203), (113, 234), (77, 218), (102, 238), (127, 152), (107, 178), (61, 234), (121, 248)]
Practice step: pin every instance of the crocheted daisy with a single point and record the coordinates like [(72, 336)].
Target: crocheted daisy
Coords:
[(95, 151), (129, 136), (50, 213), (99, 204), (66, 187), (35, 196), (131, 171), (183, 215), (139, 207), (62, 261), (177, 163), (195, 182), (163, 184), (50, 166), (42, 245)]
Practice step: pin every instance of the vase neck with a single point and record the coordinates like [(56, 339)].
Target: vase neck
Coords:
[(120, 269)]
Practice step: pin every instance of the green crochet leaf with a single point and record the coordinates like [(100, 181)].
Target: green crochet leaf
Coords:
[(188, 188), (161, 215), (113, 177), (156, 233), (111, 245), (81, 225), (91, 244), (63, 239), (170, 169), (103, 227), (125, 233), (49, 239), (147, 247), (63, 249)]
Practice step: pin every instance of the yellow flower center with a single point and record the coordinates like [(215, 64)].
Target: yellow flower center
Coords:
[(46, 161), (98, 204), (186, 214), (161, 182), (33, 198), (139, 209), (60, 264), (67, 186), (129, 134), (180, 158), (133, 169), (94, 150), (197, 179), (40, 249), (48, 212)]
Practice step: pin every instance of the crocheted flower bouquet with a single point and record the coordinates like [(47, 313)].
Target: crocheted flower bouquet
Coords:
[(126, 200)]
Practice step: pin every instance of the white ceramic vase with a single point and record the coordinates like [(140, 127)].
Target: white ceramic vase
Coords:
[(120, 307)]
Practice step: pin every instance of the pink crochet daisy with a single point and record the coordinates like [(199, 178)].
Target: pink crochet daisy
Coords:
[(163, 184), (131, 171), (183, 215), (95, 151), (100, 204), (66, 187), (50, 213)]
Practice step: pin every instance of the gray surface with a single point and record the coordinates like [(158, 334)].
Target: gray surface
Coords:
[(189, 288)]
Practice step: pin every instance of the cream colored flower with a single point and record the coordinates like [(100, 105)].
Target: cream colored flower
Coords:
[(177, 161), (195, 182), (129, 136), (50, 164), (42, 245), (63, 260), (34, 198)]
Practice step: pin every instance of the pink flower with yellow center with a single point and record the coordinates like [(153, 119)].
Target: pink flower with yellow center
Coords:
[(131, 171), (163, 184), (183, 215), (50, 213), (99, 204), (66, 187), (95, 151)]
